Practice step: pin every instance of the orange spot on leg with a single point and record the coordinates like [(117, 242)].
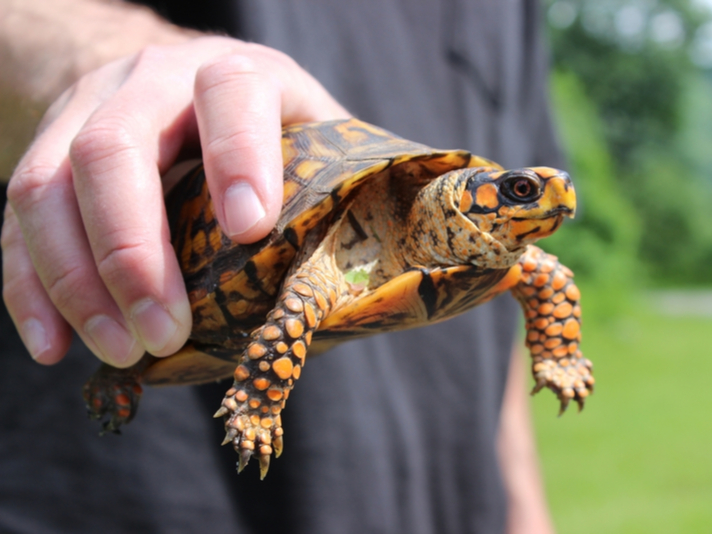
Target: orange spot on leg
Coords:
[(571, 329), (283, 368)]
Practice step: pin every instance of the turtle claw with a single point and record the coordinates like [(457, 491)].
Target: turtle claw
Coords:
[(278, 446), (221, 411), (264, 465), (538, 386), (243, 460), (564, 405), (229, 436)]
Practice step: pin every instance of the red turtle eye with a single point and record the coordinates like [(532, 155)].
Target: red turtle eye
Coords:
[(522, 188)]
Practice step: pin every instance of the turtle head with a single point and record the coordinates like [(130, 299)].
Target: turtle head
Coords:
[(516, 207), (486, 216)]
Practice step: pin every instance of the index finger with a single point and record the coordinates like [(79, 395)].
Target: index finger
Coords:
[(242, 100)]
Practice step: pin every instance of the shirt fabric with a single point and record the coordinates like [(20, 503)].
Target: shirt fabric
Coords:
[(395, 433)]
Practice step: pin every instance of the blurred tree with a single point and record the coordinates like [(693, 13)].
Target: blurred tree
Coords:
[(639, 63)]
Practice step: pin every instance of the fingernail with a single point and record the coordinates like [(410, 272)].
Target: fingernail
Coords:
[(154, 325), (34, 336), (243, 209), (111, 339)]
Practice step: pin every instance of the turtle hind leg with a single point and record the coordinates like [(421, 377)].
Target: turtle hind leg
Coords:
[(113, 395), (550, 300), (270, 365)]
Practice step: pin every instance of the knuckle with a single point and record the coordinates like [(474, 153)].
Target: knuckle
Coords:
[(125, 264), (227, 70), (103, 138), (30, 181), (10, 235), (14, 290), (65, 285), (229, 143)]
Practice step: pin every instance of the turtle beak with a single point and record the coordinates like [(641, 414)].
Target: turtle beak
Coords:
[(560, 196)]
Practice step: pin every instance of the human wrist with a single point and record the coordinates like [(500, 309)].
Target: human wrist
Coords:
[(47, 45)]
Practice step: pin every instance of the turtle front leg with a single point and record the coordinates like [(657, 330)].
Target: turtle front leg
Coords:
[(270, 365), (551, 305)]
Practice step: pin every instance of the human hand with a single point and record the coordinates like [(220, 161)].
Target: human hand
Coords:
[(86, 243)]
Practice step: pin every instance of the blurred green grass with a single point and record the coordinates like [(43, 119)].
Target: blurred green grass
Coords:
[(638, 459)]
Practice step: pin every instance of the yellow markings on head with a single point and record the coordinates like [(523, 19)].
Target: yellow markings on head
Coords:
[(466, 201), (487, 196), (545, 172), (559, 193), (528, 227)]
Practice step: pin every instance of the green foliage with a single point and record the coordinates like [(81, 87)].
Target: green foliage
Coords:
[(636, 118), (601, 244), (635, 94)]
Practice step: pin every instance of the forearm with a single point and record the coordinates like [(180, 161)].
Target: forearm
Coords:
[(46, 45), (528, 512)]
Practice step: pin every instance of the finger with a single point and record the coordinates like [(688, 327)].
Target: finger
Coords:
[(42, 195), (116, 159), (241, 102), (43, 330)]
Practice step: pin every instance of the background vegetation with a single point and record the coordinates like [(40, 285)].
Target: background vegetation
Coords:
[(632, 91)]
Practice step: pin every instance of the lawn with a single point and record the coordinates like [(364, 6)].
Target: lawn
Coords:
[(638, 459)]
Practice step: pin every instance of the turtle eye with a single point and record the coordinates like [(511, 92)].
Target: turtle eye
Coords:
[(521, 188)]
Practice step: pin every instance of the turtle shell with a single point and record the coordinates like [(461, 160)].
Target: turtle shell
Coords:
[(232, 287)]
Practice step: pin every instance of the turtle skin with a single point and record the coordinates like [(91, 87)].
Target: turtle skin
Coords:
[(377, 233)]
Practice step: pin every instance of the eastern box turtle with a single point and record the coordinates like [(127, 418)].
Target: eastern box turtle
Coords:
[(377, 233)]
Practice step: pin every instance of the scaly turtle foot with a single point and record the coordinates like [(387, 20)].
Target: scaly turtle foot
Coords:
[(114, 394), (569, 378)]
